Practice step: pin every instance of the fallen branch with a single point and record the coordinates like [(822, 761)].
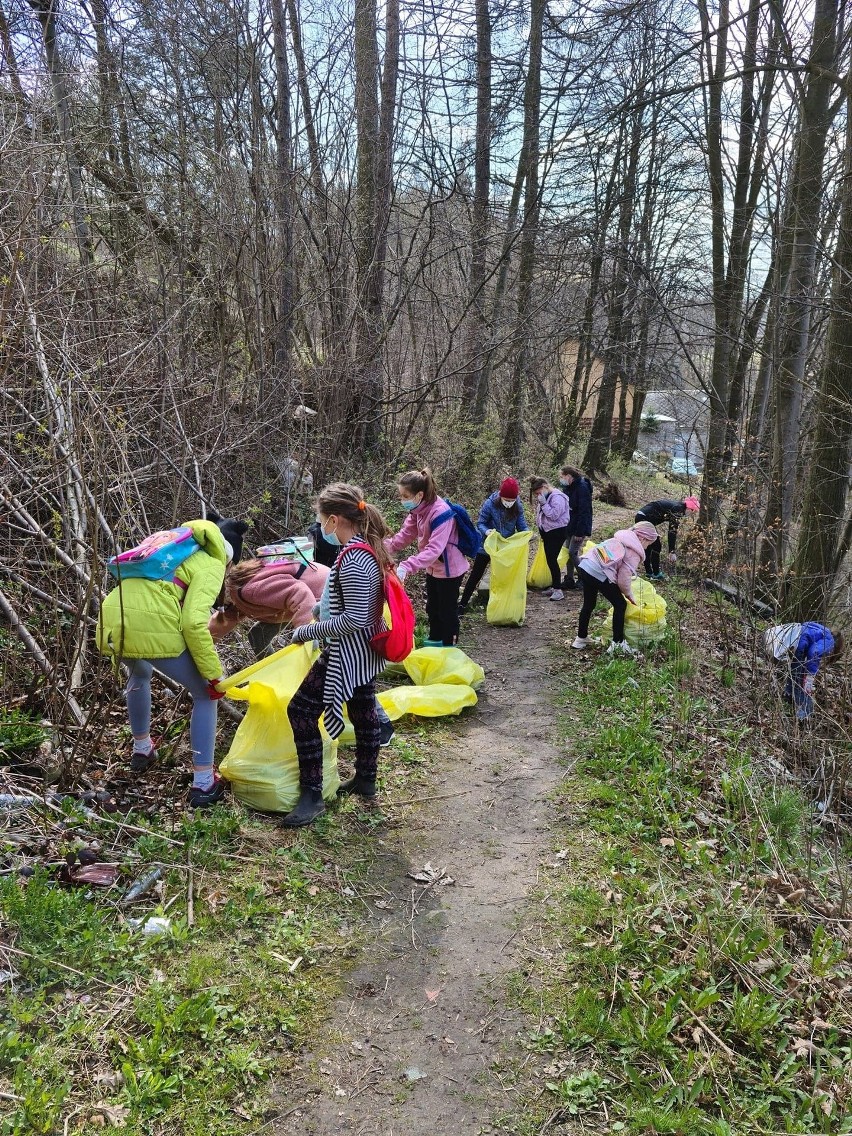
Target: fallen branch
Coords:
[(736, 597)]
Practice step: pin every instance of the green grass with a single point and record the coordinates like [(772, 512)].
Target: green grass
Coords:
[(680, 994), (182, 1033)]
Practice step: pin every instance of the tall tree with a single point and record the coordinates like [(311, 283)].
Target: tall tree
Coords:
[(514, 431), (806, 194), (815, 567)]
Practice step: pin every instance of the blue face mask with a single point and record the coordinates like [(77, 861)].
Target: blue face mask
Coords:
[(408, 504), (331, 538)]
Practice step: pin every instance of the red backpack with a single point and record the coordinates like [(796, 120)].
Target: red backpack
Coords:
[(397, 642)]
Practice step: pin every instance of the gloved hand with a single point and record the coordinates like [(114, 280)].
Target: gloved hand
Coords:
[(212, 693), (315, 611), (302, 634), (401, 572), (672, 558), (541, 498)]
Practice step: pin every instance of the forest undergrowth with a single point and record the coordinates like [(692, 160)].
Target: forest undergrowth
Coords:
[(689, 965)]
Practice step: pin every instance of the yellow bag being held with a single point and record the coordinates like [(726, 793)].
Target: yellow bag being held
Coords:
[(646, 622), (539, 573), (507, 599), (262, 765)]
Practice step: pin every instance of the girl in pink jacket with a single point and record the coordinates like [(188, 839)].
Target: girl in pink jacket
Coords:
[(277, 595), (608, 570), (437, 553)]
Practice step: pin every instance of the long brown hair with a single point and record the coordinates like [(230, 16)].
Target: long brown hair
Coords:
[(572, 472), (419, 481), (342, 500), (536, 485)]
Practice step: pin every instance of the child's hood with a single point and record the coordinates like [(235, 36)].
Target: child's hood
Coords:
[(208, 536), (630, 540)]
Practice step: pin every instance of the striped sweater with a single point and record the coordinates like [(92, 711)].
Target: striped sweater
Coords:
[(356, 598)]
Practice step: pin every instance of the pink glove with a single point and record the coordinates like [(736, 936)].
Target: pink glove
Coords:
[(212, 693)]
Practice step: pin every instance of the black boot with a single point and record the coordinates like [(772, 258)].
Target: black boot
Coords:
[(309, 807), (362, 783)]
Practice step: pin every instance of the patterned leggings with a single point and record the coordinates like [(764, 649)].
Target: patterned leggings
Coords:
[(305, 709)]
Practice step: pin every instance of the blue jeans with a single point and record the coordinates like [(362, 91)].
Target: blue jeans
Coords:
[(800, 687), (202, 724)]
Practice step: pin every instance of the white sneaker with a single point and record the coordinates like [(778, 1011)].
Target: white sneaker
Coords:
[(547, 592), (557, 594), (622, 648), (580, 644)]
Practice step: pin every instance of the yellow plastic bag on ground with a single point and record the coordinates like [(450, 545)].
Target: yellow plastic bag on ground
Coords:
[(507, 598), (429, 665), (539, 573), (261, 764), (436, 701), (645, 623), (563, 557)]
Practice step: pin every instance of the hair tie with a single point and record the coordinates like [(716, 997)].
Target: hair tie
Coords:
[(362, 505)]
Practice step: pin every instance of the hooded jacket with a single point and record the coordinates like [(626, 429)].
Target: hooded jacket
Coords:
[(157, 619), (621, 568), (438, 553), (554, 512), (579, 494), (277, 593)]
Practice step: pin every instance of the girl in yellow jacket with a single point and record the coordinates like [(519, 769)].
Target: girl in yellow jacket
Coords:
[(162, 624)]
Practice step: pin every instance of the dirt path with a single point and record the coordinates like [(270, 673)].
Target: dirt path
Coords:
[(413, 1038)]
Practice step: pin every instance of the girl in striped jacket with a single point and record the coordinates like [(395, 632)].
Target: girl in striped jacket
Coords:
[(350, 615)]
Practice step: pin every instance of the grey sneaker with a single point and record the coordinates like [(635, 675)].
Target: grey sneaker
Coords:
[(580, 644), (557, 594)]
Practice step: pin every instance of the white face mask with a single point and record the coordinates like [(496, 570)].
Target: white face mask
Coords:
[(506, 504)]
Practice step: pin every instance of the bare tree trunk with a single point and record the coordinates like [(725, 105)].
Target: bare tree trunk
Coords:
[(375, 123), (45, 11), (816, 563), (514, 433), (806, 198), (283, 201), (618, 318), (475, 389)]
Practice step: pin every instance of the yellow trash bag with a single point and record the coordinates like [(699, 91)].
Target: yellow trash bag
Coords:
[(261, 764), (436, 701), (539, 573), (562, 559), (429, 665), (645, 623), (507, 599)]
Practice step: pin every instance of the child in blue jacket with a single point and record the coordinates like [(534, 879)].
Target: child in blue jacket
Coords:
[(804, 645), (504, 512)]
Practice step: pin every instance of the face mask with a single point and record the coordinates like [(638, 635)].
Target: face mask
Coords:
[(409, 503), (565, 484), (332, 538), (506, 504)]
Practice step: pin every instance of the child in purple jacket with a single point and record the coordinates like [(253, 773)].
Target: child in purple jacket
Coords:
[(552, 513)]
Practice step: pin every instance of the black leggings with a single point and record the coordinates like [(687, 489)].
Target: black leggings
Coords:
[(592, 587), (477, 571), (442, 608), (553, 542), (652, 557)]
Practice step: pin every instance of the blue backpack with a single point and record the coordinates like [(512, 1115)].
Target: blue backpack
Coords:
[(470, 539), (156, 558)]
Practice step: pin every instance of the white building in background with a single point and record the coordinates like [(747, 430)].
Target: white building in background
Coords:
[(674, 427)]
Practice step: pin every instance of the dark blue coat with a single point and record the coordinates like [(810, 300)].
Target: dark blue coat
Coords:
[(580, 499)]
